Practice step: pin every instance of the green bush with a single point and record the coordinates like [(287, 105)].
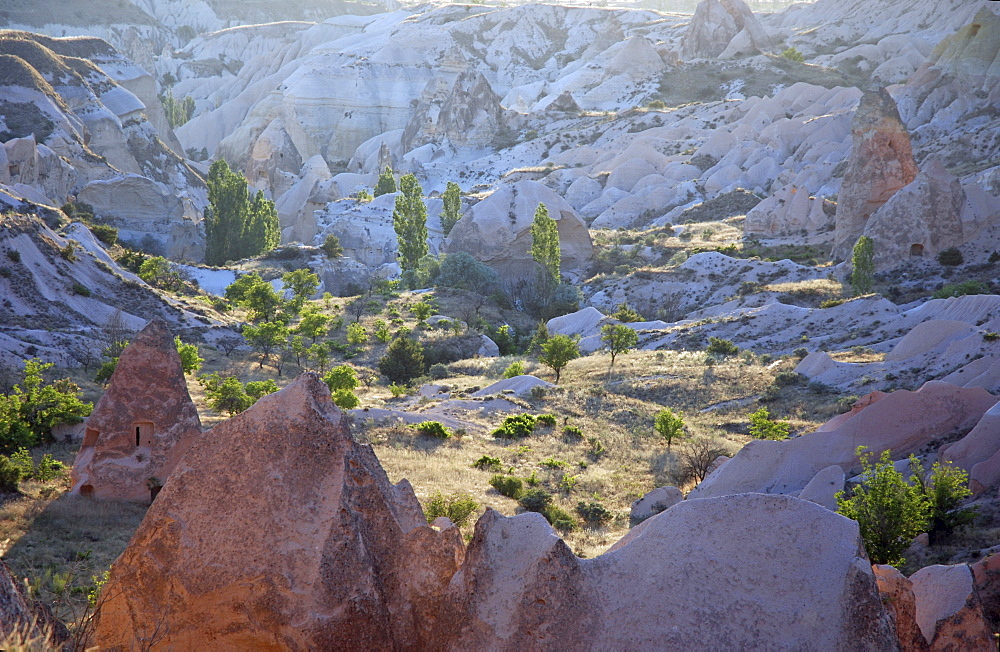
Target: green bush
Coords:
[(830, 303), (432, 429), (786, 378), (951, 257), (515, 368), (457, 506), (345, 399), (669, 426), (488, 463), (593, 513), (573, 432), (516, 427), (80, 289), (21, 458), (331, 247), (10, 475), (49, 468), (535, 500), (546, 420), (763, 427), (403, 360), (105, 233), (945, 490), (962, 289), (793, 55), (341, 377), (719, 346), (33, 407), (559, 518), (508, 486), (438, 371), (255, 389), (190, 360)]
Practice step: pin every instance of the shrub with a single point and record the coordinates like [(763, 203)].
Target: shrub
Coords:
[(962, 289), (81, 289), (516, 427), (488, 463), (255, 389), (342, 377), (14, 255), (535, 500), (30, 410), (669, 426), (10, 475), (49, 468), (625, 313), (105, 233), (331, 247), (403, 360), (830, 303), (593, 513), (105, 371), (557, 351), (719, 346), (553, 463), (515, 368), (68, 252), (947, 486), (786, 378), (457, 506), (21, 458), (508, 486), (190, 360), (889, 510), (345, 399), (573, 432), (559, 518), (547, 420), (991, 336), (951, 257), (762, 427), (596, 450), (793, 54), (398, 390), (432, 429), (799, 353), (438, 371)]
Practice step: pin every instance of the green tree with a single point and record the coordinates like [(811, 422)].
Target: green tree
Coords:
[(862, 277), (303, 284), (256, 295), (190, 360), (557, 351), (625, 313), (265, 338), (945, 489), (230, 396), (313, 324), (236, 226), (345, 399), (669, 425), (763, 427), (462, 271), (421, 310), (618, 338), (256, 389), (403, 360), (28, 414), (332, 247), (409, 219), (342, 377), (156, 271), (889, 510), (545, 246), (356, 334), (386, 183), (451, 210)]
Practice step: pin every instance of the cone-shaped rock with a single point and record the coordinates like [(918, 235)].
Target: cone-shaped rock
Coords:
[(143, 423), (278, 531)]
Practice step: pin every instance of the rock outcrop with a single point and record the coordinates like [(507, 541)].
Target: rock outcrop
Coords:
[(986, 574), (897, 594), (652, 503), (25, 620), (467, 114), (881, 163), (723, 28), (279, 531), (521, 587), (949, 611), (142, 425)]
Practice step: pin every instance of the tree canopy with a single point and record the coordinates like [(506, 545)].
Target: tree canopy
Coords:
[(409, 219), (452, 209), (236, 225), (557, 351), (545, 245), (386, 183)]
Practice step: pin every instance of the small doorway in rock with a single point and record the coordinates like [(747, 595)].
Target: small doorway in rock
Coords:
[(917, 250), (90, 437), (143, 433), (87, 491)]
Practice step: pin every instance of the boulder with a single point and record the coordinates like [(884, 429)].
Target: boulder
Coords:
[(487, 348), (308, 546), (142, 425), (716, 23), (897, 594), (949, 611), (824, 486), (518, 386), (26, 620), (902, 422), (521, 587), (881, 163), (986, 575), (497, 231), (654, 502), (985, 475)]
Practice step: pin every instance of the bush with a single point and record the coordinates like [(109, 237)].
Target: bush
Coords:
[(515, 368), (625, 313), (403, 360), (10, 475), (190, 360), (762, 427), (516, 427), (786, 378), (945, 490), (547, 420), (508, 486), (438, 371), (535, 500), (105, 233), (255, 389), (951, 257), (593, 513), (457, 506), (32, 408), (962, 289), (105, 371), (14, 255), (331, 247), (432, 429), (49, 468), (488, 463), (669, 426), (81, 289), (573, 432), (719, 346), (342, 377), (793, 55), (345, 399), (830, 303), (559, 518)]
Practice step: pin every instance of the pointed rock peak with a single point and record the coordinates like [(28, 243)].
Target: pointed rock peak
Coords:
[(304, 399), (875, 106)]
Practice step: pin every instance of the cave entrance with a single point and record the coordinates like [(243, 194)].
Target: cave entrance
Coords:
[(90, 438), (87, 491), (917, 250), (143, 433)]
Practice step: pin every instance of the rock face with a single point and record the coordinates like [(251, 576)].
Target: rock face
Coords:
[(24, 619), (949, 612), (902, 422), (986, 574), (897, 594), (521, 587), (308, 546), (468, 113), (497, 230), (881, 163), (922, 219), (142, 425), (656, 501), (723, 28)]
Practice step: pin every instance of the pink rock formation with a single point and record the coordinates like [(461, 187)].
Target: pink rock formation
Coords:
[(278, 531), (654, 502), (142, 425), (986, 575), (902, 422), (716, 24), (949, 611), (24, 619), (897, 594), (720, 581), (881, 163), (979, 445)]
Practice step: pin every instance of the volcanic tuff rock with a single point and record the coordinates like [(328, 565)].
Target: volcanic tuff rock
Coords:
[(307, 546), (142, 425), (521, 587), (897, 594), (986, 574), (949, 611), (465, 111), (723, 28), (654, 502), (880, 164)]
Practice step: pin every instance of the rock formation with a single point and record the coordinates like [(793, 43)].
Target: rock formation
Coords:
[(723, 28), (654, 502), (949, 611), (468, 114), (897, 594), (142, 425), (986, 574), (881, 163), (277, 530), (26, 620), (521, 587)]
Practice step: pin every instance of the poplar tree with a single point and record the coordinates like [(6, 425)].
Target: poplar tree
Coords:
[(386, 183), (545, 246), (236, 226), (451, 212), (409, 219), (863, 266)]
